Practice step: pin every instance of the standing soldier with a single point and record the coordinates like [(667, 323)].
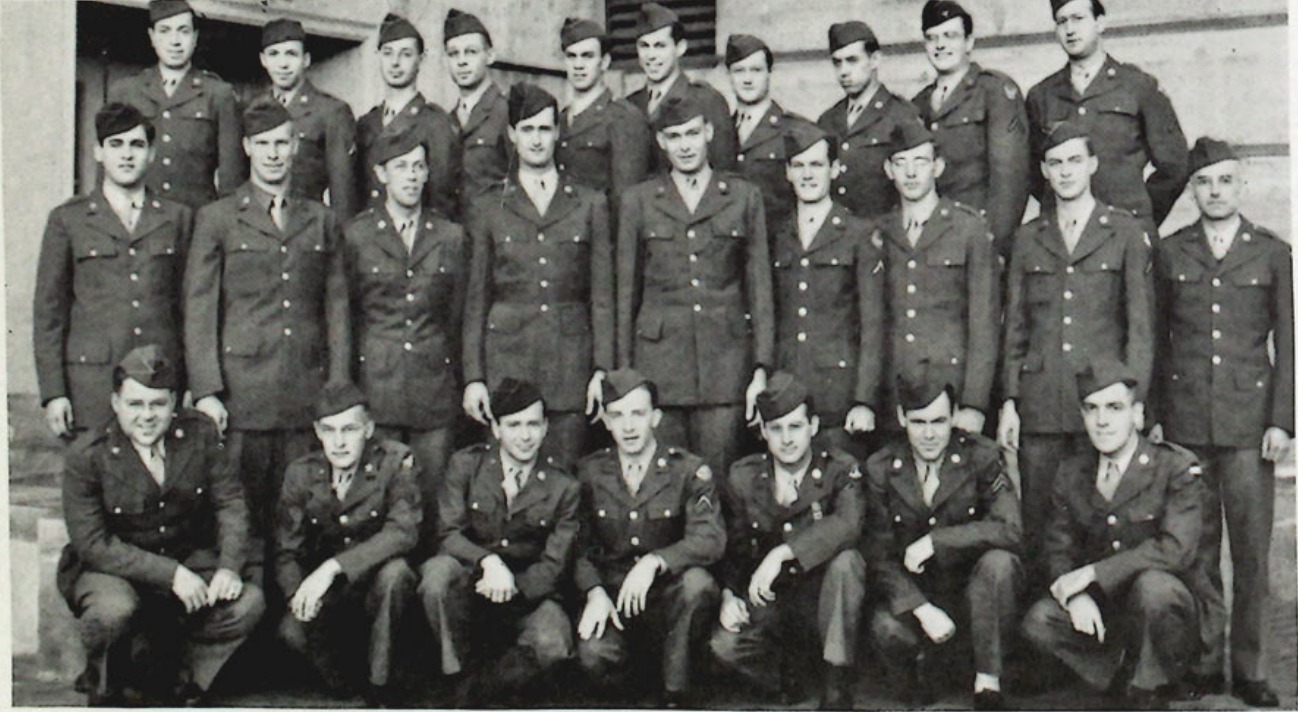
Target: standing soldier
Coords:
[(797, 569), (1225, 286), (195, 113), (760, 126), (604, 143), (864, 121), (540, 300), (694, 308), (324, 168), (1079, 288), (660, 44), (979, 121), (401, 52), (108, 279), (480, 114), (649, 515), (944, 286), (348, 516), (266, 314), (1131, 122)]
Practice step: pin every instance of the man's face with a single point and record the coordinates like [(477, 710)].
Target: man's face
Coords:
[(343, 436), (947, 46), (405, 177), (812, 173), (1069, 167), (469, 56), (1217, 189), (1112, 417), (271, 153), (125, 157), (659, 54), (399, 62), (143, 413), (915, 171), (586, 63), (521, 434), (285, 63), (631, 420), (534, 139), (929, 428), (174, 39), (750, 77), (1078, 29), (789, 437), (687, 144), (854, 67)]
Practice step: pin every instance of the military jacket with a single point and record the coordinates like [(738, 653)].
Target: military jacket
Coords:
[(824, 520), (535, 535), (441, 140), (761, 160), (102, 291), (406, 309), (485, 150), (675, 514), (377, 521), (326, 151), (540, 294), (1066, 309), (724, 145), (1216, 384), (864, 147), (606, 147), (694, 306), (974, 510), (982, 134), (267, 320), (199, 134)]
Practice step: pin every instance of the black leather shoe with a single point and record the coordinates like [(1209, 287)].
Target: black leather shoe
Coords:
[(1140, 699), (672, 700), (838, 689), (191, 695), (989, 700), (1255, 693), (1198, 685)]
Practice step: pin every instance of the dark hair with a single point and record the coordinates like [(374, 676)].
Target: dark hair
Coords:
[(150, 132), (678, 31), (119, 379), (1097, 9)]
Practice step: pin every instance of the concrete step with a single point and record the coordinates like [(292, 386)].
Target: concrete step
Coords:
[(43, 627)]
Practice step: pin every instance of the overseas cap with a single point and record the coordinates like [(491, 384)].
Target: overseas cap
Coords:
[(277, 31), (262, 115), (459, 23), (654, 17), (677, 110), (909, 134), (117, 118), (1101, 373), (842, 34), (528, 100), (922, 389), (1055, 5), (800, 135), (578, 29), (1064, 132), (162, 9), (336, 397), (396, 27), (782, 396), (937, 12), (618, 384), (1210, 151), (392, 144), (512, 395), (147, 365), (741, 47)]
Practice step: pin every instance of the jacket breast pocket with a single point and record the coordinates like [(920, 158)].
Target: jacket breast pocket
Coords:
[(665, 520), (1040, 283), (649, 326), (660, 230), (1141, 525), (1034, 362), (247, 266), (508, 321), (87, 348), (123, 502), (93, 247), (1254, 275)]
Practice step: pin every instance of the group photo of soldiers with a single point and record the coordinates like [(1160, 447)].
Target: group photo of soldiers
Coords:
[(540, 400)]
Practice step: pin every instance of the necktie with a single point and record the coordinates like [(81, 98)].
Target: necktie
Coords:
[(169, 85), (389, 113), (510, 485), (939, 96), (786, 488), (655, 97), (156, 465), (277, 211), (744, 125), (462, 112), (281, 97), (1108, 482), (914, 228), (928, 481), (408, 234), (807, 229), (1071, 235), (692, 193), (633, 475), (854, 112), (342, 482), (1217, 242)]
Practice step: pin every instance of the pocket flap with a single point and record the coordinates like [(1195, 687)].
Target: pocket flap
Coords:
[(88, 348), (649, 325)]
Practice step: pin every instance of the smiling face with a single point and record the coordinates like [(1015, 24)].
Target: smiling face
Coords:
[(1217, 189), (788, 437), (854, 67), (1078, 29), (143, 413), (631, 420), (659, 54), (534, 139), (270, 153), (750, 78), (285, 63), (468, 57), (687, 144), (405, 177), (1069, 167), (399, 62), (520, 434), (125, 157), (1113, 417), (947, 46), (586, 63), (812, 172), (343, 436), (915, 171), (174, 40), (929, 428)]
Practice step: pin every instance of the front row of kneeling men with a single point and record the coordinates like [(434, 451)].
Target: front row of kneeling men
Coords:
[(643, 552)]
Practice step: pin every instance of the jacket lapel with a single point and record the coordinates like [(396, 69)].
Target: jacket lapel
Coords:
[(768, 128), (518, 202), (586, 120), (812, 489), (1197, 247), (957, 96), (191, 85), (299, 219), (251, 214), (934, 229), (715, 198), (1136, 479), (561, 205), (364, 482), (1241, 249), (1049, 236), (179, 453), (533, 491), (425, 241), (669, 200), (387, 238), (950, 478), (873, 112), (905, 482), (152, 218), (832, 230), (656, 479), (481, 110), (1094, 235), (100, 217), (125, 464)]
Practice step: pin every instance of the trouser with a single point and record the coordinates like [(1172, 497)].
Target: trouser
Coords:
[(987, 608), (1039, 456), (524, 638), (565, 439), (432, 449), (679, 612), (1242, 484), (369, 609), (859, 445), (713, 432), (115, 617), (1154, 622), (260, 458), (827, 601)]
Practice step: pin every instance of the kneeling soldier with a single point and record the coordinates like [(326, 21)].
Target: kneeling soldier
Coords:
[(944, 529), (507, 530), (159, 527), (1124, 525), (794, 517), (347, 516)]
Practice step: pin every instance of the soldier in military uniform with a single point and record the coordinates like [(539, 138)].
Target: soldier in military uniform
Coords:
[(944, 536), (864, 121), (660, 45), (829, 281), (509, 526), (158, 528), (401, 53), (1125, 519), (1079, 287), (650, 523), (347, 517), (540, 299), (694, 307), (979, 121), (1131, 122), (480, 113), (760, 126), (196, 113), (604, 143), (944, 292), (324, 166), (108, 278), (267, 321), (793, 580), (407, 268), (1225, 286)]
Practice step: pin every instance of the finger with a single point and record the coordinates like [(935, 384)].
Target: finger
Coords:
[(617, 620), (1099, 631), (598, 631)]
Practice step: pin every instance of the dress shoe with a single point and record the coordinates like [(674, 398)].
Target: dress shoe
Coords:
[(1198, 685), (1137, 698), (838, 689), (191, 695), (1255, 693), (672, 700), (989, 700)]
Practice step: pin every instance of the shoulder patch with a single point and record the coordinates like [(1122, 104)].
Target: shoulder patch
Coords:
[(1011, 91), (704, 473), (1001, 482)]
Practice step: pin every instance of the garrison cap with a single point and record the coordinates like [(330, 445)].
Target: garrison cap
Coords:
[(579, 29), (618, 384), (1062, 133), (460, 23), (842, 34), (910, 134), (396, 27), (922, 389), (741, 47), (1100, 373), (163, 9), (338, 396), (1055, 5), (654, 17), (782, 396), (1210, 151), (282, 30), (938, 12), (147, 365), (527, 100), (118, 118), (392, 144), (800, 135), (262, 115), (513, 395), (677, 110)]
